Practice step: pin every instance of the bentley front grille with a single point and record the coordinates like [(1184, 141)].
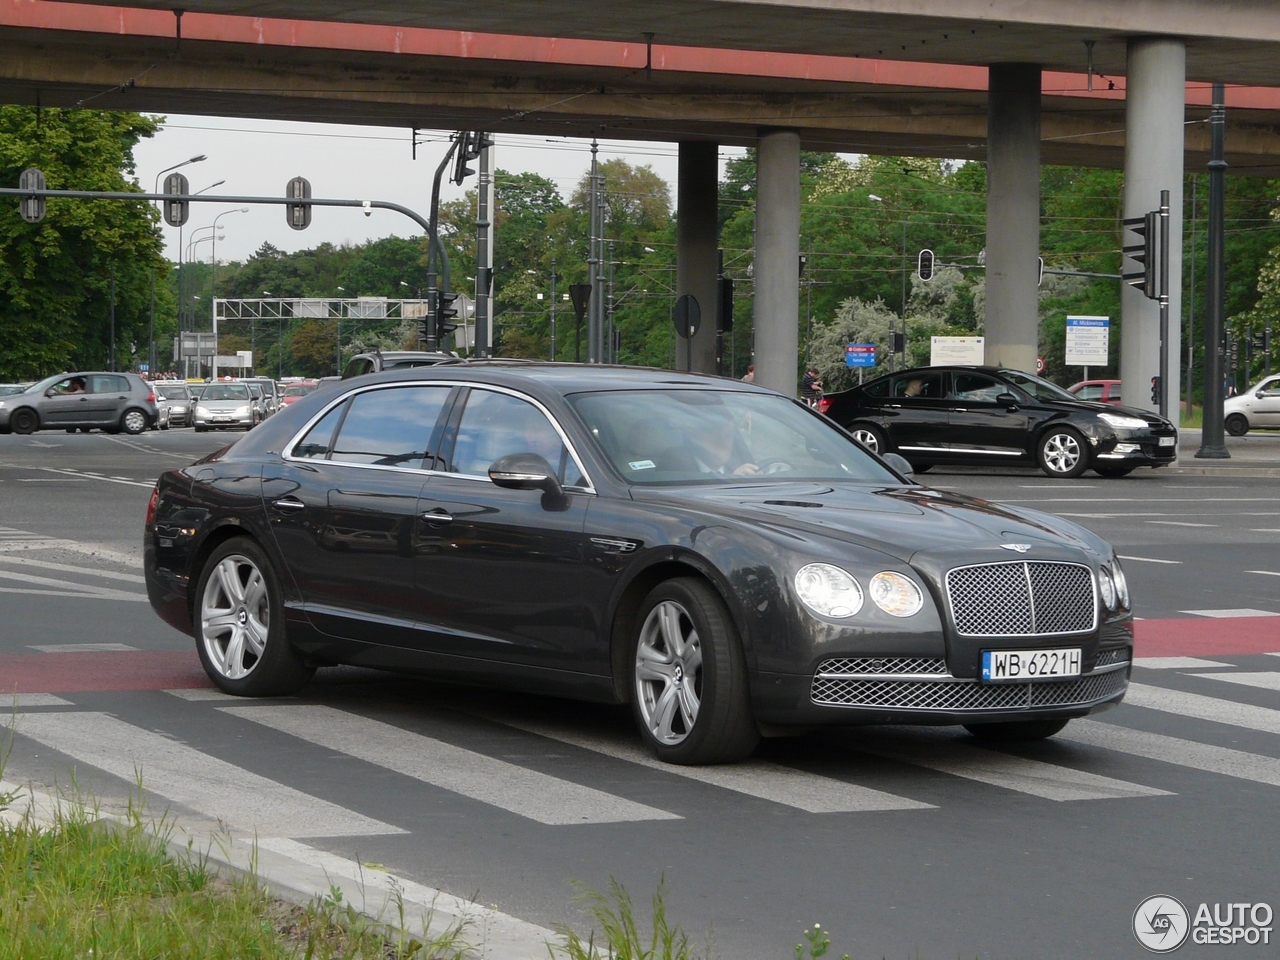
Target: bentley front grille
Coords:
[(1025, 598), (957, 695)]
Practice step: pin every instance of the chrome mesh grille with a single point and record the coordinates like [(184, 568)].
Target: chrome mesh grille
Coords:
[(1108, 657), (960, 695), (882, 665), (1022, 599)]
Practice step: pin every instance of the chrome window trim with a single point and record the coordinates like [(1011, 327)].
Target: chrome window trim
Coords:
[(287, 451), (1093, 579)]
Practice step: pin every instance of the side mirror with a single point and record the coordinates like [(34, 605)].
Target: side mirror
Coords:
[(901, 464), (1008, 401), (51, 392), (1260, 394), (525, 471)]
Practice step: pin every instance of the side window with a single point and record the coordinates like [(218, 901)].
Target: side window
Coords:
[(390, 428), (1092, 391), (315, 445), (494, 425), (922, 386), (1271, 388), (976, 387), (877, 388), (109, 384), (70, 385), (358, 368)]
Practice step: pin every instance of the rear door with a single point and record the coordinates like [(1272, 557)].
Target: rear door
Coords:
[(982, 429), (343, 503), (916, 412), (108, 396)]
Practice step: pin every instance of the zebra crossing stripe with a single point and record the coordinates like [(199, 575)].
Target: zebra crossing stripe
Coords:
[(1195, 705), (1047, 780), (516, 789), (206, 784), (1269, 680), (1183, 753), (755, 778)]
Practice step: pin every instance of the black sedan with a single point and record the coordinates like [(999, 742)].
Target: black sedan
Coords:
[(721, 557), (982, 416)]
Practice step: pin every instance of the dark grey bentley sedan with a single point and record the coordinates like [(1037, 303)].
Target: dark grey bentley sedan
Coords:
[(721, 557)]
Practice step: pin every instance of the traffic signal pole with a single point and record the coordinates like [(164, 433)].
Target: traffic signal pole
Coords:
[(1212, 441), (1164, 304)]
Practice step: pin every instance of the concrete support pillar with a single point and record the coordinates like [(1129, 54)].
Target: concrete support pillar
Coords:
[(776, 268), (1153, 147), (1012, 324), (697, 248)]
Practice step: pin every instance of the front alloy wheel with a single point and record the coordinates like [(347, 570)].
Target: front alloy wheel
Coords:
[(869, 437), (689, 677), (239, 625), (1063, 453)]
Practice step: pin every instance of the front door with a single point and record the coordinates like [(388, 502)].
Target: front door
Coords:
[(499, 571), (66, 402), (343, 507), (1265, 409), (983, 430), (915, 414)]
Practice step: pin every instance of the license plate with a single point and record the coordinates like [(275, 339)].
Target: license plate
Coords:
[(999, 666), (1167, 441)]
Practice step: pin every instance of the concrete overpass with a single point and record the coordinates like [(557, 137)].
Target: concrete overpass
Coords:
[(1001, 80)]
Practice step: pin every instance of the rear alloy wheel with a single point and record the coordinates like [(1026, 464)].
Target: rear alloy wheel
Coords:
[(689, 678), (870, 437), (133, 421), (239, 625), (1017, 730), (1063, 453), (1237, 425), (24, 421)]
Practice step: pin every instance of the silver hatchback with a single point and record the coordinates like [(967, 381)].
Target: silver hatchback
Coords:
[(112, 402)]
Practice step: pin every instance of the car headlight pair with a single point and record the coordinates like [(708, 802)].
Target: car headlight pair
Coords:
[(1113, 586), (1121, 422), (829, 591)]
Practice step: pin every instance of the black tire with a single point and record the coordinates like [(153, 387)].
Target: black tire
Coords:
[(277, 670), (722, 728), (1113, 473), (201, 429), (1237, 425), (71, 429), (921, 467), (870, 436), (24, 421), (1062, 452), (85, 429), (134, 421), (1016, 731)]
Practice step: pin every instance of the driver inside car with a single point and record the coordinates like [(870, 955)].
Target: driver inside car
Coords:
[(718, 448)]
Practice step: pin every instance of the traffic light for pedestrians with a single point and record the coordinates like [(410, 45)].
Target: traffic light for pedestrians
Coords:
[(1143, 253), (925, 264), (1155, 390)]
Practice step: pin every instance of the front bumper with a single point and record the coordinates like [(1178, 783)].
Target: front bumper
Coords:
[(222, 421), (1140, 450)]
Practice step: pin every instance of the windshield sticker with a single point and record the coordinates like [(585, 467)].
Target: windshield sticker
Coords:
[(642, 465)]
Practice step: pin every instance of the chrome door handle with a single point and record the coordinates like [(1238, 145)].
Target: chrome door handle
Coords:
[(437, 516), (289, 505)]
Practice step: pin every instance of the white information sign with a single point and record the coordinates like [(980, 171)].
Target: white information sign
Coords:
[(1088, 341), (962, 350)]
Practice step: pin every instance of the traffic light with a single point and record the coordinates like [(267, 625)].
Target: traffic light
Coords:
[(176, 212), (448, 312), (724, 315), (470, 143), (1155, 390), (298, 215), (924, 265), (1144, 253), (32, 209)]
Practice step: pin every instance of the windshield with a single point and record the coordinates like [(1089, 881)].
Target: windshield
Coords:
[(678, 436), (225, 391), (1040, 389), (172, 393), (299, 390)]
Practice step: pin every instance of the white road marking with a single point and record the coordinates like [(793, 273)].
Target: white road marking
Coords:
[(1148, 559), (1180, 523), (1140, 500), (21, 701), (1186, 704), (213, 787), (1176, 663), (1047, 780), (33, 592), (82, 647), (85, 474), (516, 789), (755, 778), (69, 568), (1263, 681), (1265, 530), (1182, 753), (78, 589), (1231, 613), (1265, 573), (200, 694), (52, 479)]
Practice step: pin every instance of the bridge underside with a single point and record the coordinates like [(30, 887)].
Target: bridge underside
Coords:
[(67, 68)]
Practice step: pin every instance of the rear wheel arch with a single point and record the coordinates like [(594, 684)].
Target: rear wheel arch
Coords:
[(212, 541)]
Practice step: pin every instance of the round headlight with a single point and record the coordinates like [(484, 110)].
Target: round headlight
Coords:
[(827, 590), (1108, 588), (1122, 584), (896, 595)]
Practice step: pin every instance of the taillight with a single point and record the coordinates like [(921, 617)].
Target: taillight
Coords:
[(151, 397), (151, 505), (824, 405)]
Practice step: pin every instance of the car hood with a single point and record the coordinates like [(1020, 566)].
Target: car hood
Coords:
[(900, 521)]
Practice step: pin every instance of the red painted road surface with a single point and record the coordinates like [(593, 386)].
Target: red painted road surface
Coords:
[(172, 669)]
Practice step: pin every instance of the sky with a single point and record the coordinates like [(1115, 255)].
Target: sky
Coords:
[(258, 157)]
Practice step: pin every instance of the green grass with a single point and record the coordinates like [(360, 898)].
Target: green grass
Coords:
[(1193, 419)]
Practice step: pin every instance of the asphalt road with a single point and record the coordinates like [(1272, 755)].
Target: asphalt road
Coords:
[(903, 843)]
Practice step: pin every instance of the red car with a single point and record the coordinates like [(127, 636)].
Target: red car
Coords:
[(296, 391), (1103, 391)]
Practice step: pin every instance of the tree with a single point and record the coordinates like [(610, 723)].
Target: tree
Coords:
[(55, 276)]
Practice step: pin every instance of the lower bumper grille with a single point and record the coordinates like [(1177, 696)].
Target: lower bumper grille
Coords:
[(953, 694)]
